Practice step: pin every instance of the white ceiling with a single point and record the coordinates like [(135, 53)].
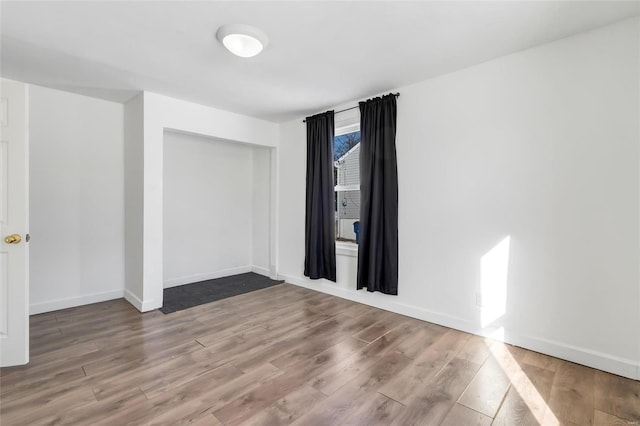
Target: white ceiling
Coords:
[(320, 54)]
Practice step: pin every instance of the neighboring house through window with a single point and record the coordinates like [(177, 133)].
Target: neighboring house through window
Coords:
[(346, 154)]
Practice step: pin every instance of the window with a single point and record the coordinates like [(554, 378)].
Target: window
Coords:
[(346, 156)]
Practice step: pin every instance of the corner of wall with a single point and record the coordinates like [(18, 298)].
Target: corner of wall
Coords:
[(261, 271), (141, 305)]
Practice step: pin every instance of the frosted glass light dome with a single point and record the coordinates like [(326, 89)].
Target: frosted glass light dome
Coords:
[(242, 40)]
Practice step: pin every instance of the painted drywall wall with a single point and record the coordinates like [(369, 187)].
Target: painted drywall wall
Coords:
[(77, 200), (519, 191), (208, 198), (161, 113), (261, 211), (134, 197)]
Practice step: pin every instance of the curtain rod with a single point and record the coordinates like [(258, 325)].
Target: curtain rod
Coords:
[(354, 107)]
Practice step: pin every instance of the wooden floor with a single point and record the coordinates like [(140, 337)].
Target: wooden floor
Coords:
[(287, 355)]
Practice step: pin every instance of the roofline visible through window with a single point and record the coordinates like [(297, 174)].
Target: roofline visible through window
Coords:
[(349, 128)]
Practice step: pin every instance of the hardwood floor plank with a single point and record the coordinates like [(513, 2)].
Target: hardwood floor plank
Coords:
[(208, 420), (422, 338), (357, 310), (403, 387), (47, 368), (377, 410), (308, 351), (180, 376), (541, 360), (250, 403), (259, 399), (286, 343), (43, 320), (198, 398), (346, 326), (6, 390), (125, 415), (362, 322), (528, 397), (460, 415), (44, 332), (32, 410), (606, 419), (290, 355), (288, 409), (331, 357), (223, 352), (115, 381), (431, 403), (476, 350), (487, 389), (572, 395), (73, 338), (386, 323), (617, 396), (238, 318), (72, 378), (335, 377), (112, 363), (68, 371), (292, 323), (341, 404), (98, 411)]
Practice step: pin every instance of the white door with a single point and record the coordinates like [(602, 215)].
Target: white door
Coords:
[(14, 224)]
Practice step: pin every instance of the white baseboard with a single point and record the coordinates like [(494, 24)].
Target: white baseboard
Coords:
[(133, 299), (381, 301), (261, 271), (173, 282), (601, 361), (70, 302), (141, 305)]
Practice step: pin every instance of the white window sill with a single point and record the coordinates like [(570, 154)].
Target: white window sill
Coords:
[(344, 248)]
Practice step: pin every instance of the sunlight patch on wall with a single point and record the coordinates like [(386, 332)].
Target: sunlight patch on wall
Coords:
[(494, 269)]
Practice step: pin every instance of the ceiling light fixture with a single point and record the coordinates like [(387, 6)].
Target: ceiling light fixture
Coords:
[(242, 40)]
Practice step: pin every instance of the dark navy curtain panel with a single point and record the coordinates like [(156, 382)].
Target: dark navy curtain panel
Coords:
[(320, 247), (378, 249)]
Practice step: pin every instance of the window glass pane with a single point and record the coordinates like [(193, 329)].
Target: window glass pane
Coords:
[(343, 143), (348, 203), (347, 174)]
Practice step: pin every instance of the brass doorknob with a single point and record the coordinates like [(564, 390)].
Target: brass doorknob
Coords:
[(12, 239)]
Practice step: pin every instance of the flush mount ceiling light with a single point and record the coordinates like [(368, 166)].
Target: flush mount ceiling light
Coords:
[(242, 40)]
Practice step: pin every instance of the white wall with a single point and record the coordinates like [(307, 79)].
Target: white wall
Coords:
[(161, 113), (540, 146), (261, 211), (84, 150), (77, 200), (208, 208)]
